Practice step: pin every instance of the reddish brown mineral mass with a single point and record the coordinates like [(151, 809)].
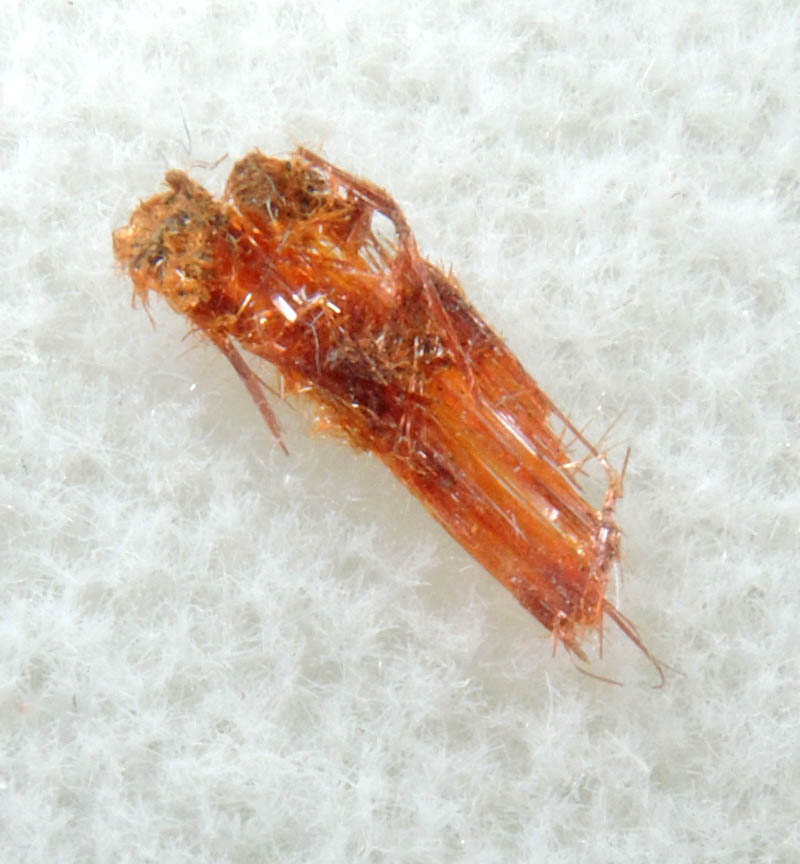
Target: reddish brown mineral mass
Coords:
[(289, 267)]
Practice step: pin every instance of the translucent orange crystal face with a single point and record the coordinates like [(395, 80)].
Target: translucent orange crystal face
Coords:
[(287, 267)]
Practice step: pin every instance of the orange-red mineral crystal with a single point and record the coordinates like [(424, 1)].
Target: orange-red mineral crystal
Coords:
[(288, 267)]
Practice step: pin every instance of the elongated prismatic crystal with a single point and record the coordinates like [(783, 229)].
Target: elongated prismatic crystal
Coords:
[(288, 267)]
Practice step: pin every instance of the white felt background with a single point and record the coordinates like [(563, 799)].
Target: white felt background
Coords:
[(210, 652)]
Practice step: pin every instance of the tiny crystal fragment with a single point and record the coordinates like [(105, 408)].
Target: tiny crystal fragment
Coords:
[(288, 267)]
